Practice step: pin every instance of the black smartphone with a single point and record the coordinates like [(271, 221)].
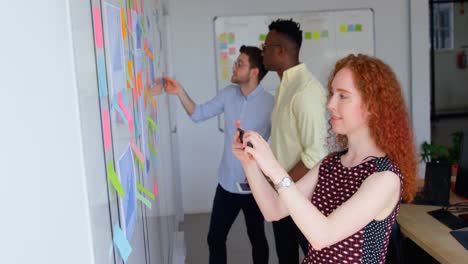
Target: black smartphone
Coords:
[(241, 137)]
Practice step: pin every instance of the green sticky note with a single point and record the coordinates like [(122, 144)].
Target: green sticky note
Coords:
[(155, 153), (114, 179), (143, 200), (307, 35), (324, 33), (316, 35), (358, 28), (231, 38), (144, 190), (140, 163), (343, 28), (152, 123), (262, 37)]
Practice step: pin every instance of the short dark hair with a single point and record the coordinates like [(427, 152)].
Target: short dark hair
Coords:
[(290, 29), (255, 59)]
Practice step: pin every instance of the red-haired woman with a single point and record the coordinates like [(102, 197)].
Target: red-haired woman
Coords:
[(346, 205)]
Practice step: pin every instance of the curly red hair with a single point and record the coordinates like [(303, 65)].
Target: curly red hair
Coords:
[(388, 120)]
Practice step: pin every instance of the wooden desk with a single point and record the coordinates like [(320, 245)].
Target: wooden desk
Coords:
[(430, 234)]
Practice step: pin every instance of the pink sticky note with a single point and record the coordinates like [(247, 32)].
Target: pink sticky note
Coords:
[(232, 51), (125, 111), (141, 6), (155, 187), (97, 27), (137, 151), (106, 129), (129, 20), (148, 83), (224, 55)]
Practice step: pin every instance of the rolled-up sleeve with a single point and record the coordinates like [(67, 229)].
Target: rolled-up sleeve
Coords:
[(209, 109), (309, 111)]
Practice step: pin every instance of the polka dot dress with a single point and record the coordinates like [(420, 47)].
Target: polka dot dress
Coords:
[(336, 184)]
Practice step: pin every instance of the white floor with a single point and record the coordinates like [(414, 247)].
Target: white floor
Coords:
[(238, 245)]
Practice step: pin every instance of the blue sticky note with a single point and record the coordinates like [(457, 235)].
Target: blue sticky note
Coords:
[(122, 243), (223, 45), (102, 75), (351, 28)]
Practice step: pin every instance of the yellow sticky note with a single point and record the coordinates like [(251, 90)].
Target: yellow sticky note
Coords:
[(225, 73), (343, 28), (316, 35)]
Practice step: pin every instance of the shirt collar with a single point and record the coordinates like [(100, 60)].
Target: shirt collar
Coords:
[(254, 93), (290, 73)]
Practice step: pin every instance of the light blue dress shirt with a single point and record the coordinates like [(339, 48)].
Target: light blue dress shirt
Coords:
[(254, 112)]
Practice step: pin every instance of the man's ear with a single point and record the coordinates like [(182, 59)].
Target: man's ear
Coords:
[(254, 72)]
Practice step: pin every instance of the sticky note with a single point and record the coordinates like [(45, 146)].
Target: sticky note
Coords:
[(155, 187), (224, 55), (350, 28), (307, 35), (98, 40), (262, 37), (152, 123), (143, 200), (115, 107), (223, 45), (122, 19), (231, 38), (222, 37), (232, 51), (136, 150), (152, 150), (102, 79), (224, 62), (324, 33), (114, 179), (106, 129), (127, 114), (122, 243), (316, 35), (225, 73), (343, 28), (358, 28), (144, 190)]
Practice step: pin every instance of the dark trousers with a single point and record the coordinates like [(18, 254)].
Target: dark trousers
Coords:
[(287, 240), (226, 207)]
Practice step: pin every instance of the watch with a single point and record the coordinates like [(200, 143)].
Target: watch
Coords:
[(284, 183)]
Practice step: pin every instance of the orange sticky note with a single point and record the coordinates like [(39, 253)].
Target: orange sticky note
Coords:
[(97, 27), (122, 19)]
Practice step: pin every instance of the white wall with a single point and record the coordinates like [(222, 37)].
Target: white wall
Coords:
[(193, 64), (45, 217)]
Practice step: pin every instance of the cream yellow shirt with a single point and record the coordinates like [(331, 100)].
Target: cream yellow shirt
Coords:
[(299, 127)]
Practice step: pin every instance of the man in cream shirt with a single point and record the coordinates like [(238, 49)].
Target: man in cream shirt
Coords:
[(299, 130)]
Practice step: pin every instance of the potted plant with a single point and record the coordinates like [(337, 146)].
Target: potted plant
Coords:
[(438, 172), (441, 164)]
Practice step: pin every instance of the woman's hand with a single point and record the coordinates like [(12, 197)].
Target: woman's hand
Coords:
[(263, 155), (238, 149)]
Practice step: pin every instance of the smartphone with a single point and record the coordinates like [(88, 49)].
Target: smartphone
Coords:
[(241, 137), (243, 187)]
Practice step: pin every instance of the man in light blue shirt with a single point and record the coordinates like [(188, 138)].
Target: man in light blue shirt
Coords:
[(247, 101)]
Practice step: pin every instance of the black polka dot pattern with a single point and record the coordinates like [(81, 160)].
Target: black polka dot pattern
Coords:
[(336, 184)]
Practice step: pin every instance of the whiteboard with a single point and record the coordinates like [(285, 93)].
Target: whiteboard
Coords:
[(130, 57), (327, 37)]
